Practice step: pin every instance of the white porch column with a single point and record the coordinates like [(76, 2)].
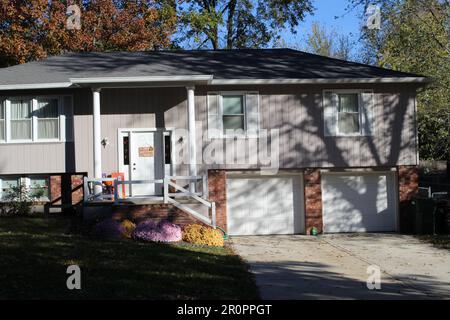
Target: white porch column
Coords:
[(97, 136), (192, 135)]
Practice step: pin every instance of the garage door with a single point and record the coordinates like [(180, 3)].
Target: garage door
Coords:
[(359, 202), (260, 205)]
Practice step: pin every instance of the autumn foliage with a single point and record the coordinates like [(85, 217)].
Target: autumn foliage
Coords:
[(33, 29)]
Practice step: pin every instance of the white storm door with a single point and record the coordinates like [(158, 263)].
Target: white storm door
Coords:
[(142, 162)]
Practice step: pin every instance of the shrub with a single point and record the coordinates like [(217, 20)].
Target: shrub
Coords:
[(19, 200), (128, 228), (109, 228), (202, 235), (163, 231)]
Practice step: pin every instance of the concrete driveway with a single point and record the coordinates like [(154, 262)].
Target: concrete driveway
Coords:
[(335, 266)]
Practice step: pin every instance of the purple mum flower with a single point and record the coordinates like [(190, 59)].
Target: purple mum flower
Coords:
[(163, 231)]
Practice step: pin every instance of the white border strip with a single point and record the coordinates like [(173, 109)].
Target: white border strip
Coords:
[(319, 81), (35, 86), (207, 78)]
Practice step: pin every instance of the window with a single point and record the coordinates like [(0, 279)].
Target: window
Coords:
[(126, 151), (6, 184), (348, 113), (36, 119), (233, 114), (21, 121), (2, 121), (47, 119), (38, 187)]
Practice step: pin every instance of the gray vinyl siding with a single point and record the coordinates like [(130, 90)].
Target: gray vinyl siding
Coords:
[(32, 158), (120, 109), (295, 110)]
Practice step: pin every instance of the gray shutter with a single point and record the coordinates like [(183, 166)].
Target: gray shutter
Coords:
[(367, 113), (330, 102), (214, 118), (252, 113), (68, 113)]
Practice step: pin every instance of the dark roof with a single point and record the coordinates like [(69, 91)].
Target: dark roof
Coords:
[(221, 64)]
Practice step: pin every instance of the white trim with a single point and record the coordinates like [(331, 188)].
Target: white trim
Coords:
[(243, 93), (7, 118), (55, 85), (34, 119), (190, 78), (192, 135), (208, 79), (62, 119), (97, 134), (359, 92), (319, 81)]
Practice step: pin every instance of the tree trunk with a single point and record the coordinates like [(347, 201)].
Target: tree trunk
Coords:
[(230, 23)]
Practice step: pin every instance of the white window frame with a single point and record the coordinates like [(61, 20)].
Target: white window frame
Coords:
[(2, 106), (8, 118), (348, 91), (244, 107), (26, 181), (6, 103), (352, 134)]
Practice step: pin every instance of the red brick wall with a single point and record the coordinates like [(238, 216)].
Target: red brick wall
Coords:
[(66, 189), (218, 193), (313, 200), (156, 212), (408, 188)]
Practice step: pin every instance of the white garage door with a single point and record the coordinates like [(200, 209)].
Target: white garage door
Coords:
[(261, 205), (359, 202)]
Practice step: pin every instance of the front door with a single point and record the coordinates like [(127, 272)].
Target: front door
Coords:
[(140, 156)]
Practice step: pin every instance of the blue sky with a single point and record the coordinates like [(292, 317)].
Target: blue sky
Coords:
[(347, 21)]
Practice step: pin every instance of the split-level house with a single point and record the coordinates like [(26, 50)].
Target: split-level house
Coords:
[(272, 141)]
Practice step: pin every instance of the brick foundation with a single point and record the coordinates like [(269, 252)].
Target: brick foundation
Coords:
[(408, 188), (66, 190), (157, 212), (313, 200), (217, 187)]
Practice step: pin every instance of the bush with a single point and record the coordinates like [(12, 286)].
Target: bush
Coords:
[(128, 228), (19, 200), (109, 228), (163, 231), (202, 235)]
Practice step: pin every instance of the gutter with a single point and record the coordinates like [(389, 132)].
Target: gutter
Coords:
[(319, 81), (202, 80), (55, 85), (116, 80)]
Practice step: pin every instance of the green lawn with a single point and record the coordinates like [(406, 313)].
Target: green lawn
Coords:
[(35, 252)]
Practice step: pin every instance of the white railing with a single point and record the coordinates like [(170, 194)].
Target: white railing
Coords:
[(170, 184), (90, 193), (170, 197)]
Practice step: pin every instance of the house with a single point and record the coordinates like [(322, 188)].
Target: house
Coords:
[(278, 140)]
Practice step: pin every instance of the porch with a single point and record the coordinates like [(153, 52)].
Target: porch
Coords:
[(143, 171), (110, 194)]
